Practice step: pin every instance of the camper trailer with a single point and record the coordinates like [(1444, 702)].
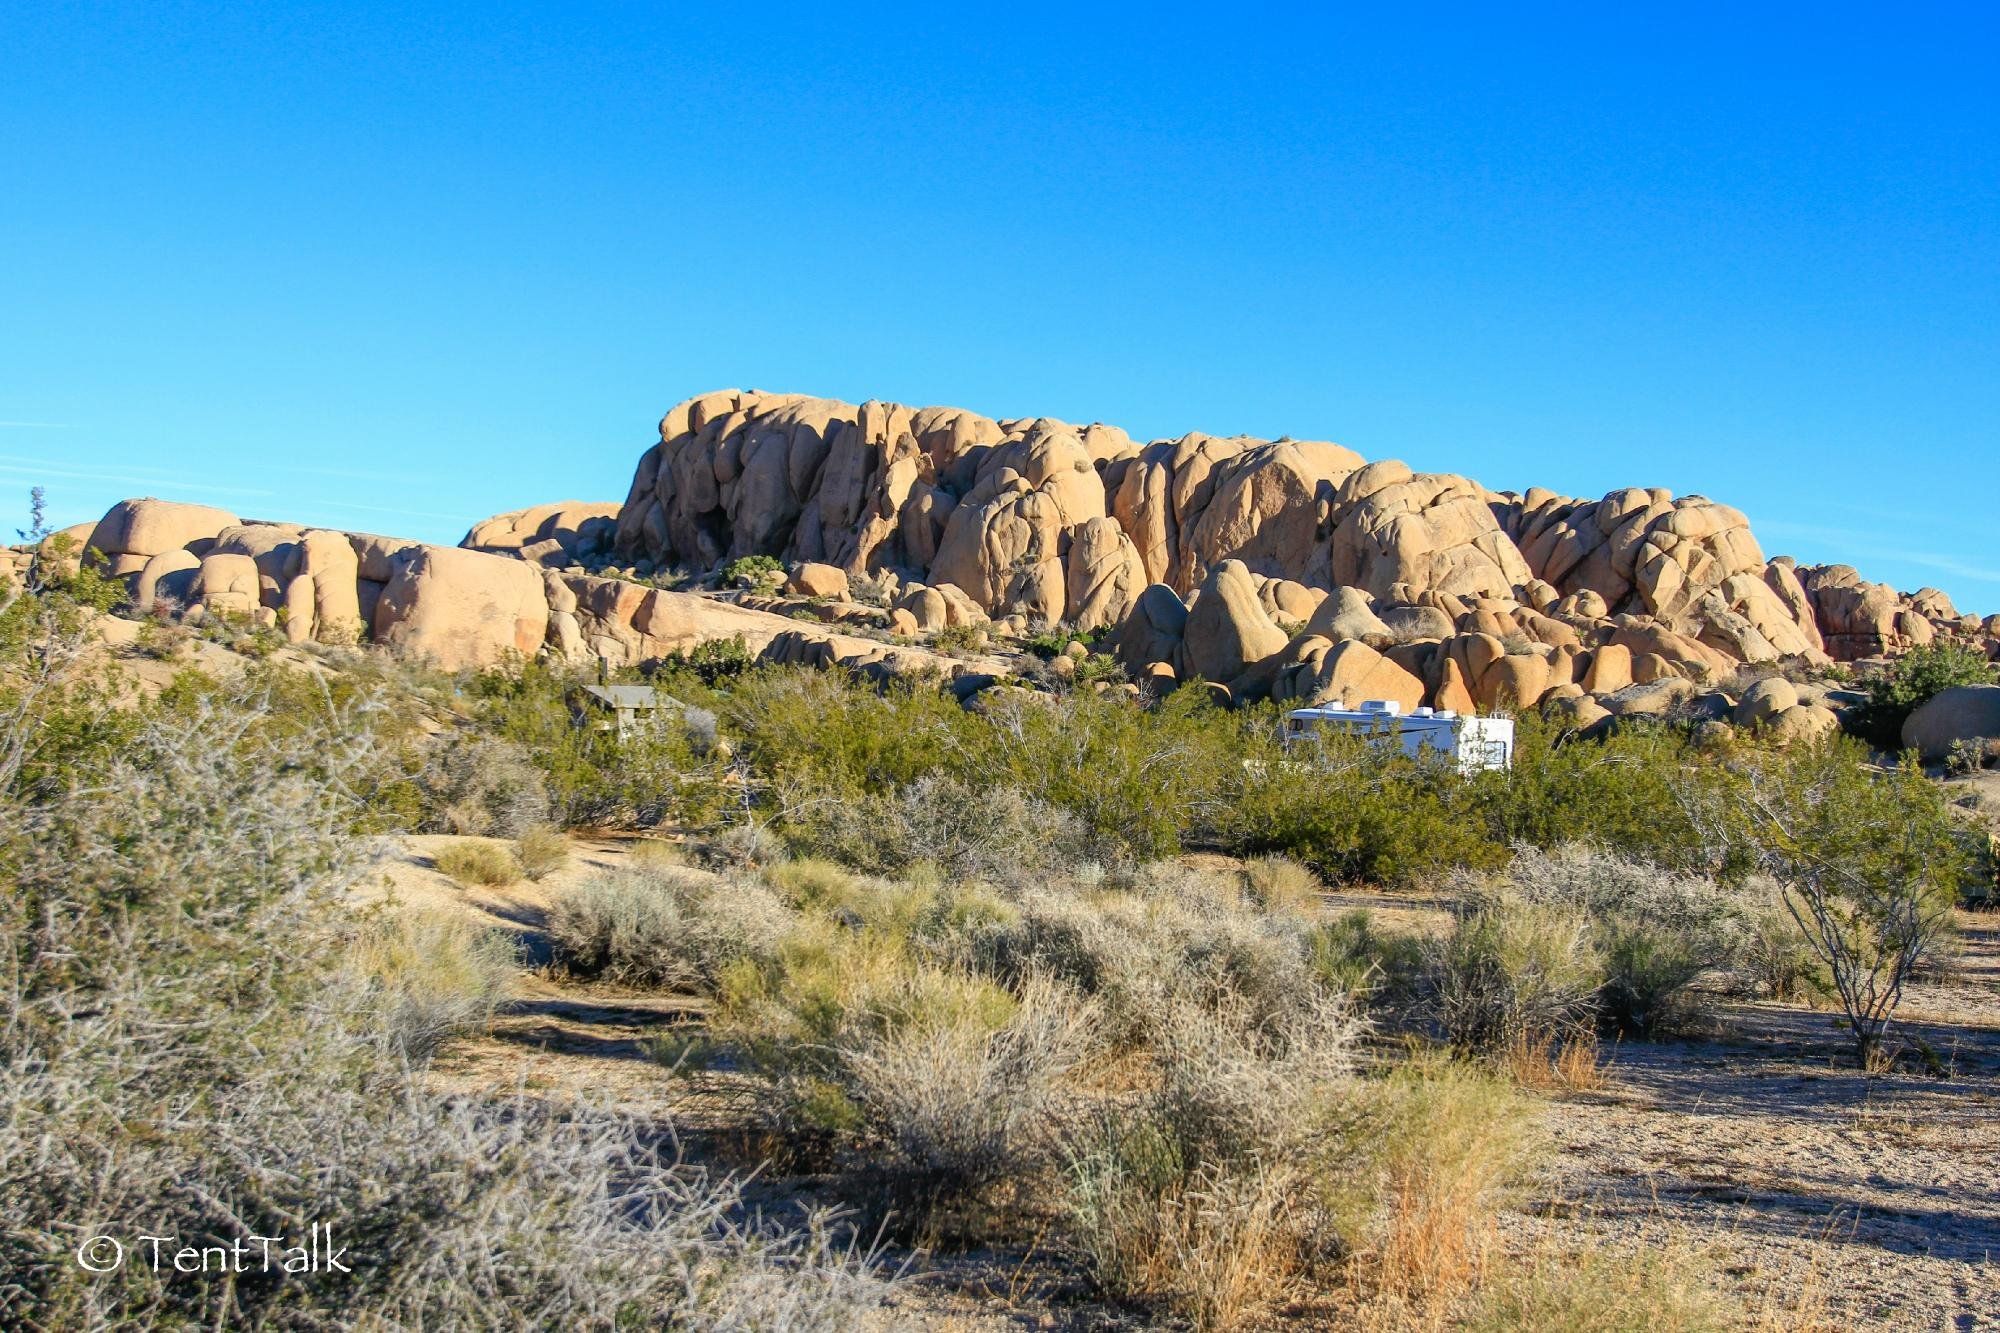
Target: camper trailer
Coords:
[(1476, 743)]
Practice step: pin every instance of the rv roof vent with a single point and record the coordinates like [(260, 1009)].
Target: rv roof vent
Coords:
[(1389, 706)]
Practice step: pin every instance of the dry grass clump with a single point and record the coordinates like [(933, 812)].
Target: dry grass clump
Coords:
[(432, 977), (1431, 1148), (541, 851), (677, 928), (1280, 883), (1660, 1288), (483, 863), (1550, 1063)]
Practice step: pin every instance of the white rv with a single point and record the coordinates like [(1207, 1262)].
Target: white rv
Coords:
[(1475, 742)]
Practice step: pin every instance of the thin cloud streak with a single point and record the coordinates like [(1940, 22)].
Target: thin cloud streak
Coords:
[(37, 473), (1870, 545)]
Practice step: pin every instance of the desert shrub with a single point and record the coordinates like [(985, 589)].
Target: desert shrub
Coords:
[(1911, 680), (541, 851), (1512, 971), (1169, 934), (1349, 956), (484, 863), (1631, 790), (710, 661), (934, 1093), (481, 786), (753, 571), (1000, 835), (960, 638), (951, 1113), (184, 1049), (431, 977), (663, 927), (1777, 957), (1657, 932), (1200, 1194)]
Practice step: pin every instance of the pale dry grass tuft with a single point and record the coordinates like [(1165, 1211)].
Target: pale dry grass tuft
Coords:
[(477, 863)]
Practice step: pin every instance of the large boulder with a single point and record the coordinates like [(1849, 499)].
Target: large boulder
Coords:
[(226, 585), (1349, 613), (459, 609), (1227, 629), (1761, 704), (811, 578), (329, 560), (1152, 633), (1424, 531), (1967, 713), (167, 575), (552, 534), (1105, 574), (1352, 673), (1003, 548), (151, 527)]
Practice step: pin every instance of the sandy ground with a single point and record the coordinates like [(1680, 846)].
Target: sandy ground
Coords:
[(1758, 1145)]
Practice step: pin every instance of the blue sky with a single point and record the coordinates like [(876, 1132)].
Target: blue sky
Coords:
[(399, 268)]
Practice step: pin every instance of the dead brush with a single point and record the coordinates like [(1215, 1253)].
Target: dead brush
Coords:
[(1548, 1062)]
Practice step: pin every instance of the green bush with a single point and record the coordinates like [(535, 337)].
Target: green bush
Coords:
[(1912, 680), (753, 571), (1871, 864)]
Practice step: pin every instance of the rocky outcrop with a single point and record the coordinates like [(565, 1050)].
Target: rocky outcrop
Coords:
[(1284, 567), (1047, 521)]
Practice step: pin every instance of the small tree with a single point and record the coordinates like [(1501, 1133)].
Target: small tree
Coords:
[(38, 517), (1911, 680), (1870, 862)]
